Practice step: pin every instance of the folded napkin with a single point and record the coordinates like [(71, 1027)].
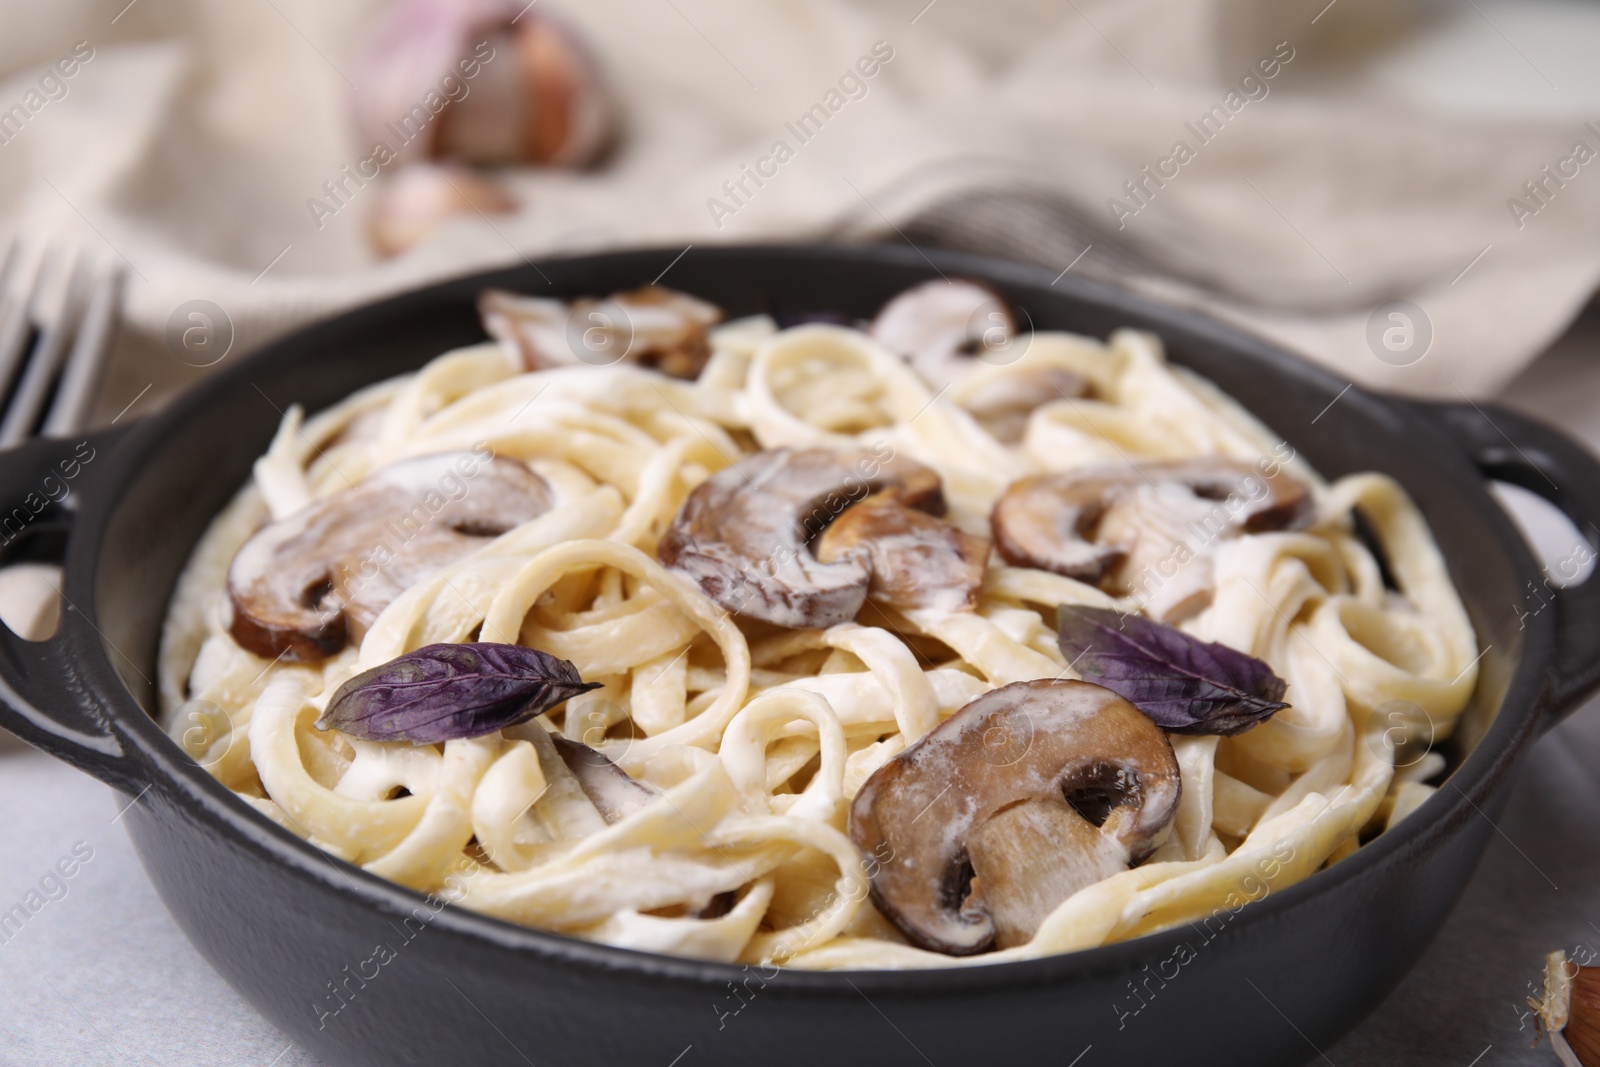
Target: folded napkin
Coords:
[(1249, 157)]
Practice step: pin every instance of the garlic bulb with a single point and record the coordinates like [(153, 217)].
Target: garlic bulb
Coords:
[(489, 82), (420, 197)]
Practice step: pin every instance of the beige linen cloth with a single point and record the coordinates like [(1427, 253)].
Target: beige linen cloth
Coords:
[(197, 134)]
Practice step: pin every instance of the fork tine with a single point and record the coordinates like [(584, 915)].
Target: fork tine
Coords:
[(19, 285), (33, 389), (78, 382)]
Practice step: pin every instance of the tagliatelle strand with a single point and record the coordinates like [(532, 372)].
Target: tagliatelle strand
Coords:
[(749, 743)]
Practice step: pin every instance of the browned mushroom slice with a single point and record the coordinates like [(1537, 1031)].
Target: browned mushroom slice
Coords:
[(1135, 529), (664, 329), (613, 792), (1048, 521), (303, 586), (653, 327), (915, 560), (743, 534), (1023, 797), (1002, 406), (941, 325), (1276, 503), (534, 326)]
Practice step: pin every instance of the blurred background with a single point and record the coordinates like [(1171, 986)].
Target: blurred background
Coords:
[(1404, 190), (272, 157)]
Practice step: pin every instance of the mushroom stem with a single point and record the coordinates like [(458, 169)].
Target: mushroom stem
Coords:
[(916, 561), (1028, 858)]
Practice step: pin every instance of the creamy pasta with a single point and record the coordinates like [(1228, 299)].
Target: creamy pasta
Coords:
[(753, 739)]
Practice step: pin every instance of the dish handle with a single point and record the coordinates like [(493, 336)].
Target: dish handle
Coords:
[(1513, 448), (43, 698)]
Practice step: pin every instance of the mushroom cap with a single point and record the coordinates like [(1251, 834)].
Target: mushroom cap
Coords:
[(652, 326), (1098, 524), (1002, 406), (743, 534), (1040, 757), (941, 324), (301, 587), (915, 560)]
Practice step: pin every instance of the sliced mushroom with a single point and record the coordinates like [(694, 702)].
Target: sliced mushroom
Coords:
[(915, 560), (941, 325), (614, 794), (1026, 795), (1047, 522), (652, 327), (1146, 530), (743, 534), (303, 586), (1002, 406)]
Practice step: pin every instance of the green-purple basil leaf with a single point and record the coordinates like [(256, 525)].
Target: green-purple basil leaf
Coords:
[(1187, 686), (447, 692)]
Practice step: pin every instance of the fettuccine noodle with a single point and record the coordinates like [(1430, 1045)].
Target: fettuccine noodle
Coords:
[(757, 739)]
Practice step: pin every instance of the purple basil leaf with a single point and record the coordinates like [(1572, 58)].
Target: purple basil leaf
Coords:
[(447, 692), (1185, 685)]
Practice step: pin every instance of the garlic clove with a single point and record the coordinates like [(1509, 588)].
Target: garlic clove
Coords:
[(571, 108), (401, 69), (489, 125), (421, 197), (489, 82)]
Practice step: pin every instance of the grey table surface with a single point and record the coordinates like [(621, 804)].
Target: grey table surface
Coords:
[(101, 974)]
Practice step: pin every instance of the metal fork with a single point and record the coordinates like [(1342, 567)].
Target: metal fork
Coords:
[(58, 316)]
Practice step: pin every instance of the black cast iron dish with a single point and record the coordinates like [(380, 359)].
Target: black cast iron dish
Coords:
[(299, 933)]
